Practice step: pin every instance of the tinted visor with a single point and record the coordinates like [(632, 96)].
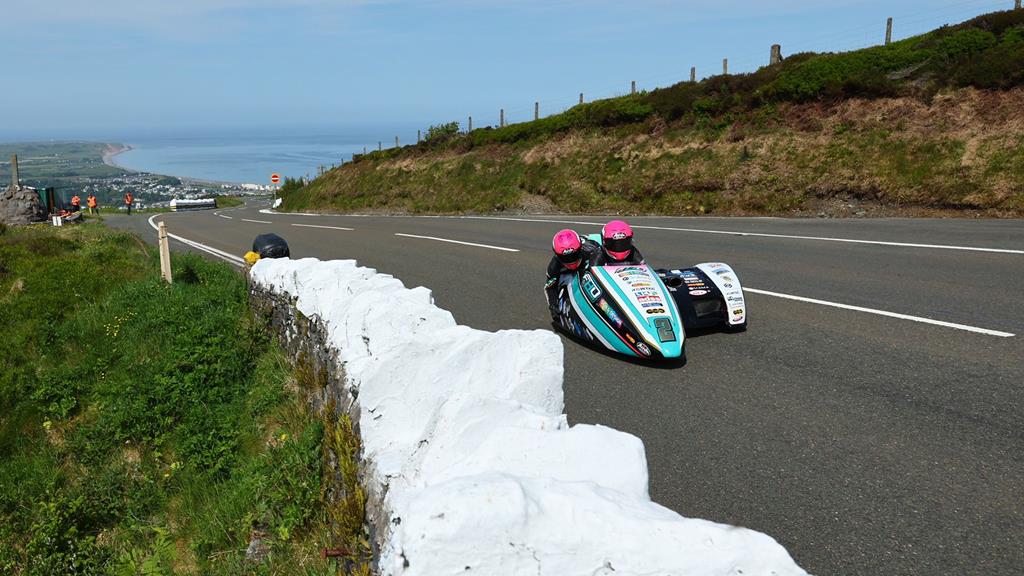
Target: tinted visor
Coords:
[(570, 258), (618, 245)]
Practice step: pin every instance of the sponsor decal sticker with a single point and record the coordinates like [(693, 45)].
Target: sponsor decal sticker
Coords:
[(728, 279), (698, 292), (727, 285), (716, 265), (722, 271), (738, 319), (738, 312), (656, 311), (610, 312), (643, 348)]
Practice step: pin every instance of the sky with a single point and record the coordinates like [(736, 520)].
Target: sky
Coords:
[(79, 69)]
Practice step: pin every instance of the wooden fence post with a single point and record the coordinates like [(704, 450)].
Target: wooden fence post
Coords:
[(380, 146), (581, 97), (501, 119), (725, 66), (165, 253), (470, 125), (1016, 5), (419, 136), (776, 54), (693, 74), (888, 31), (632, 87), (536, 111), (396, 141)]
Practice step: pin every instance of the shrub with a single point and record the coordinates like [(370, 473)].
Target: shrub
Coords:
[(440, 133)]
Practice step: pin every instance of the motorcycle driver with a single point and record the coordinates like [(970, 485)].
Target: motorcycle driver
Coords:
[(571, 251), (617, 245)]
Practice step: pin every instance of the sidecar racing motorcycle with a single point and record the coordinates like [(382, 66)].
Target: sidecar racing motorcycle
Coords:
[(644, 313)]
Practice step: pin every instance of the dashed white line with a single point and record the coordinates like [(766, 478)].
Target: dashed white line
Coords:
[(328, 227), (975, 329), (223, 216), (491, 246), (765, 235), (231, 258), (255, 221)]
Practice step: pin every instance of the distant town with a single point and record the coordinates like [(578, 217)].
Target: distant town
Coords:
[(83, 168)]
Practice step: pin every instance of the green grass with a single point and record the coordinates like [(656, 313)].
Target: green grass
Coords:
[(742, 144), (145, 428), (986, 52)]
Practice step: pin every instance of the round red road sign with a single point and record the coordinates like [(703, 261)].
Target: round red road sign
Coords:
[(275, 178)]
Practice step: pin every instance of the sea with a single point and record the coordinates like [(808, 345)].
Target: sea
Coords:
[(251, 156)]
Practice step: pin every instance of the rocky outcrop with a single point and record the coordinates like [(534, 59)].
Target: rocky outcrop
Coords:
[(21, 205)]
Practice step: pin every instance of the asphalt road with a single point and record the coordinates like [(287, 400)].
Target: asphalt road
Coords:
[(864, 443)]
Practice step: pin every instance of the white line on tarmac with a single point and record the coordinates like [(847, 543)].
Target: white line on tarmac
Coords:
[(223, 216), (230, 258), (459, 242), (763, 235), (975, 329), (328, 227), (255, 221)]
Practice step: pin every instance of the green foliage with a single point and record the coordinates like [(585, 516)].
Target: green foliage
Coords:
[(135, 415), (290, 185), (602, 113), (441, 133), (60, 541)]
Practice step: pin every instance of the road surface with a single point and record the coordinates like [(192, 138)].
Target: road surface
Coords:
[(883, 436)]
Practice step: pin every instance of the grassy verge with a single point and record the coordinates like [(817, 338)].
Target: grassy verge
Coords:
[(930, 123), (146, 428)]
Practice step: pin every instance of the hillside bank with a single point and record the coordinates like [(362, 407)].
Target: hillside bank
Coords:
[(148, 428), (931, 125)]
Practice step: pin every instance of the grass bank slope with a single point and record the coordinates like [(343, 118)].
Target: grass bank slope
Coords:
[(145, 428), (930, 123)]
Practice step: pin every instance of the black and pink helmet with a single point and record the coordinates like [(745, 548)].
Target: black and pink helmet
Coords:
[(568, 248), (617, 239)]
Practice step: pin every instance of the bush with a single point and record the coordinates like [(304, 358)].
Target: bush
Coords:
[(440, 133)]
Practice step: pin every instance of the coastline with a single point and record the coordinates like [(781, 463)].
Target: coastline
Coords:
[(114, 150)]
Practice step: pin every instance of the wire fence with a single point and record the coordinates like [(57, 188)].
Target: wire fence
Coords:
[(905, 25)]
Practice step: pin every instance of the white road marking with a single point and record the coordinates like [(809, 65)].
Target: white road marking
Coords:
[(459, 242), (764, 235), (223, 216), (255, 221), (276, 213), (328, 227), (975, 329), (230, 258)]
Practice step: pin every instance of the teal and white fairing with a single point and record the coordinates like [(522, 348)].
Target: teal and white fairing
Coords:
[(629, 310)]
